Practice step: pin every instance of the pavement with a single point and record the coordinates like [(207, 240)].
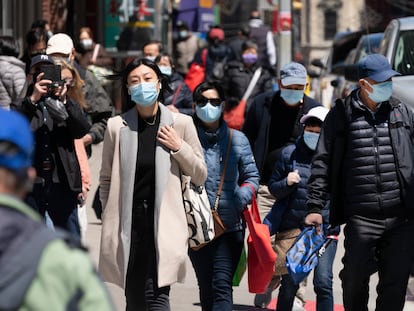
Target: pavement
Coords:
[(184, 297)]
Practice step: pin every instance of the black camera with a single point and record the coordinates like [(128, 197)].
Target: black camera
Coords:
[(52, 72)]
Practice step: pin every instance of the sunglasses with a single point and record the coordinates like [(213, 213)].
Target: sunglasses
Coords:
[(213, 101)]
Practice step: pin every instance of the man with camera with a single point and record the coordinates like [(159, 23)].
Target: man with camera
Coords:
[(56, 121)]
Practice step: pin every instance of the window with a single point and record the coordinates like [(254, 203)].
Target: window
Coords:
[(404, 54), (330, 24)]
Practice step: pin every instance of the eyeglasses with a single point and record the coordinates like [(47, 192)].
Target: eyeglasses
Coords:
[(213, 101), (69, 82)]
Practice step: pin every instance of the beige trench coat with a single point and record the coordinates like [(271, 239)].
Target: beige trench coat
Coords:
[(116, 192)]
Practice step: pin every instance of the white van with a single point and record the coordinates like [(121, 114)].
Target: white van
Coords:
[(398, 46)]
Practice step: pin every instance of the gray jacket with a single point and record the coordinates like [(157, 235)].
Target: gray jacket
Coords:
[(12, 79)]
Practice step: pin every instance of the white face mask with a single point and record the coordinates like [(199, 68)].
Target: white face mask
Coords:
[(86, 43)]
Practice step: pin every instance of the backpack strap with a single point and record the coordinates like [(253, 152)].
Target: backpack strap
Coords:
[(204, 57), (17, 274), (177, 92)]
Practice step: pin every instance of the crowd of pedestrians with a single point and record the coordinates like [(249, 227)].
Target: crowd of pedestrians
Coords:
[(351, 166)]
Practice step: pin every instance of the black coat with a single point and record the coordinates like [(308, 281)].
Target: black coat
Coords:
[(328, 164), (184, 97), (258, 122), (238, 78), (61, 137)]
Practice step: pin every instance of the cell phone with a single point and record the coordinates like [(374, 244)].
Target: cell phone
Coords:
[(51, 72)]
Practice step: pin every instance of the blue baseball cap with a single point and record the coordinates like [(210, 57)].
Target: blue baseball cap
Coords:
[(293, 73), (15, 129), (375, 67)]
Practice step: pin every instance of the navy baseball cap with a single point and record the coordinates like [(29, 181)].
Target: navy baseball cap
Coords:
[(41, 59), (376, 67), (293, 73), (15, 129)]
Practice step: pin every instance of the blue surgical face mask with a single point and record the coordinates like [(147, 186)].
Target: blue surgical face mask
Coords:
[(183, 34), (144, 94), (291, 97), (311, 139), (208, 113), (166, 70), (381, 92)]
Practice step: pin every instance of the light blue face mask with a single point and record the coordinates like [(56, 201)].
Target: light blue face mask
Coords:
[(208, 113), (166, 70), (381, 92), (183, 34), (311, 139), (144, 94), (291, 97)]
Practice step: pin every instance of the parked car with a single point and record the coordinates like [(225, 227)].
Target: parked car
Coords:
[(367, 44), (398, 46), (331, 66)]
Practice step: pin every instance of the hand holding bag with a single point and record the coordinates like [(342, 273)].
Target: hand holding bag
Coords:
[(260, 255), (304, 255)]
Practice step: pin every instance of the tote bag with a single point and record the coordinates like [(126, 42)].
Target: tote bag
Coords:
[(198, 212), (260, 255)]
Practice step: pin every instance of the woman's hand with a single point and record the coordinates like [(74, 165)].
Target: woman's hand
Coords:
[(41, 87), (169, 138)]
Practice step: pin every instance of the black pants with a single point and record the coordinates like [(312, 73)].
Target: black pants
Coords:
[(141, 289), (371, 245)]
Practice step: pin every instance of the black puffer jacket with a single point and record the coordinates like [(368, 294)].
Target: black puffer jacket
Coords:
[(184, 97), (352, 173), (238, 78)]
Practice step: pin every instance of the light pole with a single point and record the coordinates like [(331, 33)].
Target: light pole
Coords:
[(285, 33)]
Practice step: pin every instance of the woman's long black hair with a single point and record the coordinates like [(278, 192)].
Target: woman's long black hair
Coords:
[(127, 103)]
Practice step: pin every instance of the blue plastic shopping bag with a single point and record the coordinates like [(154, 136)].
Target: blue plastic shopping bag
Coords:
[(303, 256)]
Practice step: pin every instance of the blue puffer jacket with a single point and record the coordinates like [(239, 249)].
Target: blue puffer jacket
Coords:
[(292, 199), (241, 168)]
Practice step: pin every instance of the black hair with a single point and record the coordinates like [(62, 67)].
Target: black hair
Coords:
[(127, 103), (182, 25), (245, 30), (165, 54), (36, 35), (313, 121), (249, 44), (157, 42), (9, 46), (210, 85), (40, 23)]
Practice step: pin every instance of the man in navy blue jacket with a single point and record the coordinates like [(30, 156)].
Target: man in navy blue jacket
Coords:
[(272, 121)]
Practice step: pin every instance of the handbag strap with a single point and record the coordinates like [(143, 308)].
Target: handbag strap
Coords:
[(252, 83), (95, 52), (177, 91), (216, 203)]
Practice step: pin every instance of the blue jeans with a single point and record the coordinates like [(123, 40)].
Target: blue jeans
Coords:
[(322, 283), (214, 266)]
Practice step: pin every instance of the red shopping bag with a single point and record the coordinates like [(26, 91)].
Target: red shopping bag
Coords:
[(260, 255), (235, 117)]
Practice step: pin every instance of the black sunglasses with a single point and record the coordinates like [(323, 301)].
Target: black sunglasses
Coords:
[(213, 101)]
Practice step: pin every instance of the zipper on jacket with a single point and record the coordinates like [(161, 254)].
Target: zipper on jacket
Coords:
[(377, 168)]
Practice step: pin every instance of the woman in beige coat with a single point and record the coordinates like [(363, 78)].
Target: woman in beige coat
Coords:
[(144, 239)]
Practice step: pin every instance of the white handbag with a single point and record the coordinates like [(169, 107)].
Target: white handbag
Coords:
[(198, 211)]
